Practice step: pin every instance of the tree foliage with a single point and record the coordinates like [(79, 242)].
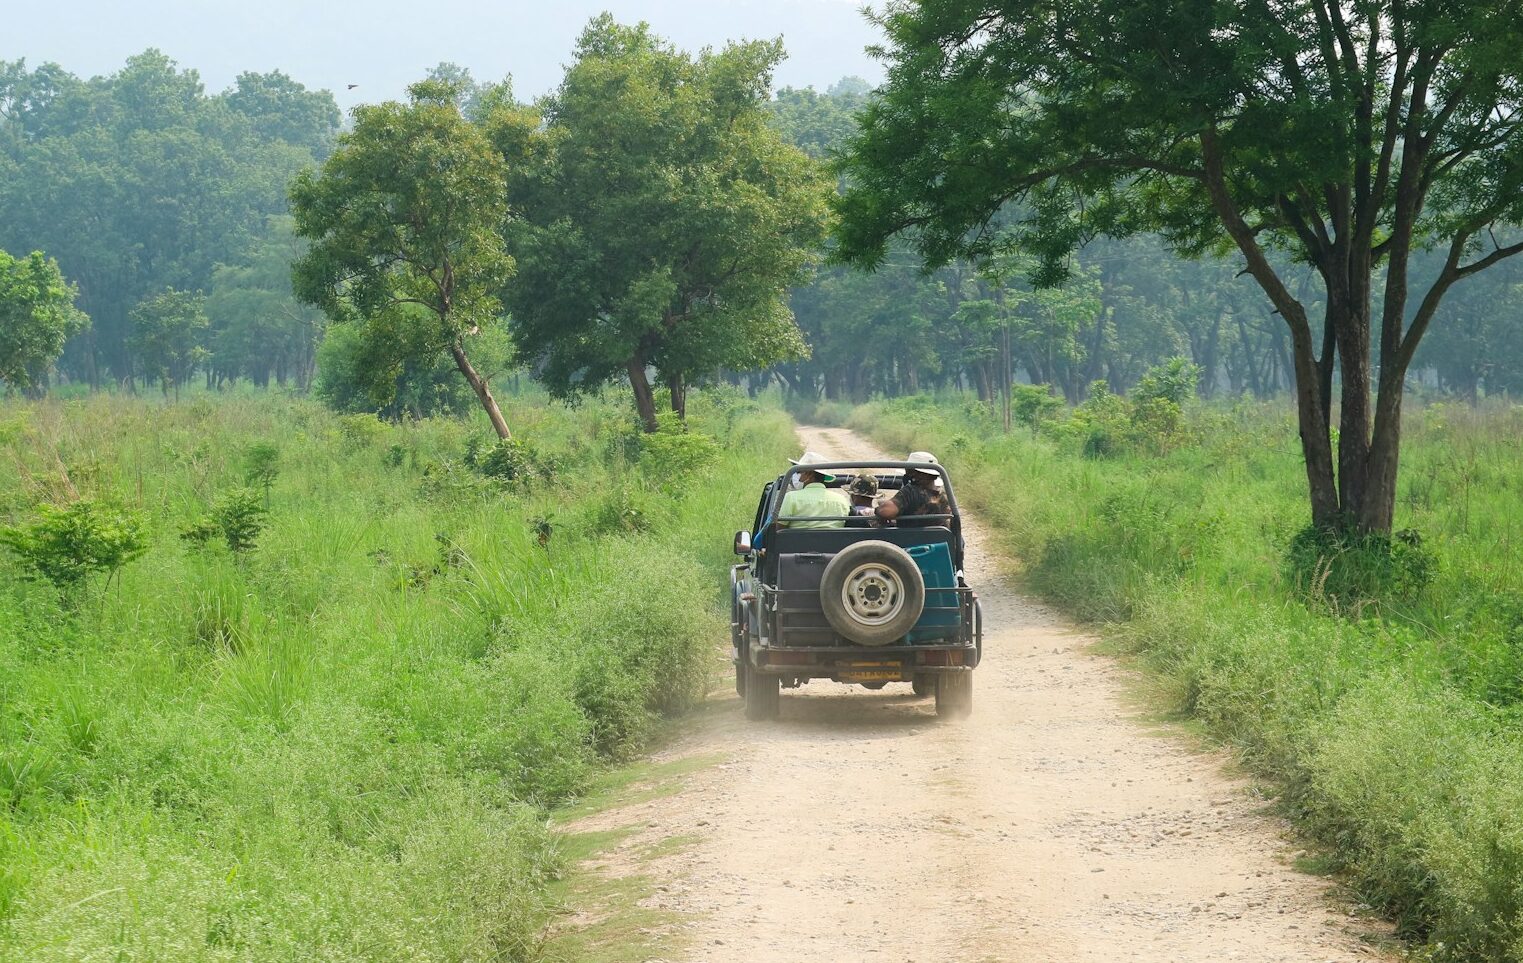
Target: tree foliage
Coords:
[(1349, 134), (67, 545), (405, 222), (260, 331), (1129, 304), (169, 336), (662, 218), (37, 315)]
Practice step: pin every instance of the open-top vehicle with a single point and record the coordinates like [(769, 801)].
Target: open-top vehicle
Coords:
[(863, 602)]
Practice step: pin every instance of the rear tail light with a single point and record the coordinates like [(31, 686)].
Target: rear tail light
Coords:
[(941, 657)]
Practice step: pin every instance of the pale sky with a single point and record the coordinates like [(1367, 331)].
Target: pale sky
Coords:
[(383, 45)]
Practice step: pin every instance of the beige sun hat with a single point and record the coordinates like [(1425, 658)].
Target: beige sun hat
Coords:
[(813, 458)]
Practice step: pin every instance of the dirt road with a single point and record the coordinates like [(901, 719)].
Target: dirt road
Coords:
[(1052, 826)]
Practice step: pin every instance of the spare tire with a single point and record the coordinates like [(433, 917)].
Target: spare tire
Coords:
[(872, 592)]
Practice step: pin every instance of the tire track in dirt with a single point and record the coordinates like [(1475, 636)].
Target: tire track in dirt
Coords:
[(1055, 825)]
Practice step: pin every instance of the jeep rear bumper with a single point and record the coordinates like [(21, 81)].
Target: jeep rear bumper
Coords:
[(889, 663)]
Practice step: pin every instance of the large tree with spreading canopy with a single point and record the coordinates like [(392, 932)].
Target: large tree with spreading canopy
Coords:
[(1349, 134)]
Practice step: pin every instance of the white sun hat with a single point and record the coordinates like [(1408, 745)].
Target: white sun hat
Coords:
[(925, 458)]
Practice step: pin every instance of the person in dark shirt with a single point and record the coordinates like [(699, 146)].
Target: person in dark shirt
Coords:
[(919, 496)]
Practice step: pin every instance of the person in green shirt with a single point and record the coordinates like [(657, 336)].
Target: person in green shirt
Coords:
[(812, 498)]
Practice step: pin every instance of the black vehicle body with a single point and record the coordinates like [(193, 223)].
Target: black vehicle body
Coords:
[(782, 634)]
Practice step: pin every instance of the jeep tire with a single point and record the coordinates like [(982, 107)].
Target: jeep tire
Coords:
[(872, 593), (763, 695), (954, 695)]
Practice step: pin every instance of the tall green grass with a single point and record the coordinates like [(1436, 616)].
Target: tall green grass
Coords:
[(342, 744), (1392, 724)]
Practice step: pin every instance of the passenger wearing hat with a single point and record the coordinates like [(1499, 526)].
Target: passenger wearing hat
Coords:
[(812, 499), (921, 495)]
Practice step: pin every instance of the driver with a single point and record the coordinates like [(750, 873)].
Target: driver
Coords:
[(921, 495)]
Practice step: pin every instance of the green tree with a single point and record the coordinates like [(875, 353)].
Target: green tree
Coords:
[(37, 315), (817, 123), (348, 380), (67, 545), (663, 219), (1477, 339), (280, 109), (405, 222), (1349, 134), (169, 337)]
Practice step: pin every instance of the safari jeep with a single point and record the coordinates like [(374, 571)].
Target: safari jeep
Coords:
[(859, 605)]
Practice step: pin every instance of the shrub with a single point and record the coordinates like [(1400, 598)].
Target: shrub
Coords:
[(674, 456), (622, 510), (261, 465), (67, 545), (1173, 381), (360, 431), (1347, 568), (1102, 422), (509, 461), (1034, 405), (237, 517), (452, 481)]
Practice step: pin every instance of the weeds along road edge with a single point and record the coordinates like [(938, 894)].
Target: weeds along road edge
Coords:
[(340, 741)]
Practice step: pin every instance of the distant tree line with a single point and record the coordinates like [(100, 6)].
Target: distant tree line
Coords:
[(147, 191), (164, 213)]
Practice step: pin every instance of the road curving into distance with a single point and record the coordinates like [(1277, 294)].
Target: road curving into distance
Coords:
[(1056, 824)]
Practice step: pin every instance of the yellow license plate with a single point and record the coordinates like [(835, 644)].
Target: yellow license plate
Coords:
[(871, 675)]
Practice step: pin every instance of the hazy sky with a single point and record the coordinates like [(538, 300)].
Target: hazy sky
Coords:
[(382, 45)]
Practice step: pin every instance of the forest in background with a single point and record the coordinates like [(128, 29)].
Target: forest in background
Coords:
[(141, 183)]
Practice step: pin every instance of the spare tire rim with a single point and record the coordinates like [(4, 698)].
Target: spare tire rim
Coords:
[(873, 594)]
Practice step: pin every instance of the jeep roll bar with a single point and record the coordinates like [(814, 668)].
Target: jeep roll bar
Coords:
[(783, 484)]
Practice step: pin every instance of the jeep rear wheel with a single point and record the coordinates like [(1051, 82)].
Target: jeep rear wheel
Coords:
[(872, 592), (763, 695), (954, 695), (924, 683)]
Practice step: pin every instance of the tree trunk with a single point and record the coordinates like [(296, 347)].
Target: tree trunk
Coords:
[(645, 399), (678, 388), (981, 374), (1209, 359), (484, 393), (1377, 508)]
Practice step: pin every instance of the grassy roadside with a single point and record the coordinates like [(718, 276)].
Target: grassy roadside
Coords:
[(343, 743), (1391, 723), (608, 896)]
